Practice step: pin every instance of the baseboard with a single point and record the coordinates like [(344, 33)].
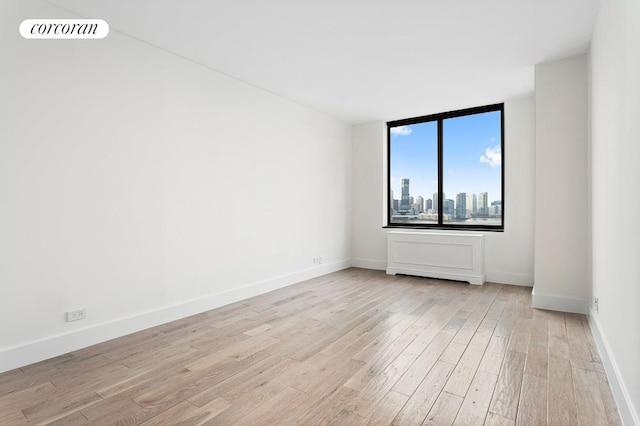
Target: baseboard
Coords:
[(378, 265), (553, 302), (627, 411), (523, 280), (39, 350)]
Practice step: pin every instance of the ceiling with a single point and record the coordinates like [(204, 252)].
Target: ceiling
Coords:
[(363, 60)]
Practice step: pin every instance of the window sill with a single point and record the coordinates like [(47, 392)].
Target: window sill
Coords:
[(445, 228)]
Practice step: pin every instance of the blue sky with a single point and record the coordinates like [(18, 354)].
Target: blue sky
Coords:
[(472, 156)]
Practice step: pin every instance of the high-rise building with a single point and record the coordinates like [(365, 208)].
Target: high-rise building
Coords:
[(448, 207), (461, 205), (420, 203), (435, 201), (496, 208), (472, 205), (405, 202), (429, 205), (483, 204)]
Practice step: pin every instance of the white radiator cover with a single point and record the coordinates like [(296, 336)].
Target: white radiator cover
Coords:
[(439, 255)]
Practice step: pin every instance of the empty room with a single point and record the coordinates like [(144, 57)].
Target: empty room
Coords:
[(319, 212)]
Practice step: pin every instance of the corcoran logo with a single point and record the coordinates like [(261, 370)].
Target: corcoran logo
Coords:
[(64, 28)]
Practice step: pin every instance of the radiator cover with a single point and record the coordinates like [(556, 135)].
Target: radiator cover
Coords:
[(454, 256)]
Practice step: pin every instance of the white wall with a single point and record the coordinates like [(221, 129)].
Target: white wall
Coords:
[(615, 165), (509, 254), (144, 187), (369, 240), (561, 242)]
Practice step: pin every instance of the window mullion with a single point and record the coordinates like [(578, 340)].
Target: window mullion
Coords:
[(440, 174)]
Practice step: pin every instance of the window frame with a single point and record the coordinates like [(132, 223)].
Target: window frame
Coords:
[(439, 118)]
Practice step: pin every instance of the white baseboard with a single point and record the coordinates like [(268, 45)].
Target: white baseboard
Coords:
[(52, 346), (378, 265), (554, 302), (627, 411), (523, 280)]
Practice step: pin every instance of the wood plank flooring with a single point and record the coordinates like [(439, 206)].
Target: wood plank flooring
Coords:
[(353, 347)]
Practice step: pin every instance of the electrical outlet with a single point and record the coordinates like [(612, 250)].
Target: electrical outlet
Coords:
[(76, 315), (596, 304), (316, 260), (320, 259)]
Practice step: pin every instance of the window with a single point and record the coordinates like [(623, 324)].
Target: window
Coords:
[(445, 170)]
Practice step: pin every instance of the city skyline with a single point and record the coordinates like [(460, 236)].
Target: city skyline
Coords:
[(476, 203), (472, 156), (434, 197)]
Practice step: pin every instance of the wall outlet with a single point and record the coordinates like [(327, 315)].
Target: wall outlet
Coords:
[(316, 260), (320, 259), (76, 315), (596, 304)]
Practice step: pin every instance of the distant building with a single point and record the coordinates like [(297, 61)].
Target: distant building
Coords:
[(428, 216), (472, 205), (448, 207), (405, 202), (483, 204), (420, 203), (461, 205), (429, 205), (435, 201)]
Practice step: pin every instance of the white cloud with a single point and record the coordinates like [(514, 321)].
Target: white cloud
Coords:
[(492, 156), (401, 131)]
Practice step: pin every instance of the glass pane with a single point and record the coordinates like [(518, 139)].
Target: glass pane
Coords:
[(414, 173), (472, 170)]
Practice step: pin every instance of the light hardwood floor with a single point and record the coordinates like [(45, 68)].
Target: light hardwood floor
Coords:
[(353, 347)]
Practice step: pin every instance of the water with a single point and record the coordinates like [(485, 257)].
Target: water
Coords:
[(413, 220)]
